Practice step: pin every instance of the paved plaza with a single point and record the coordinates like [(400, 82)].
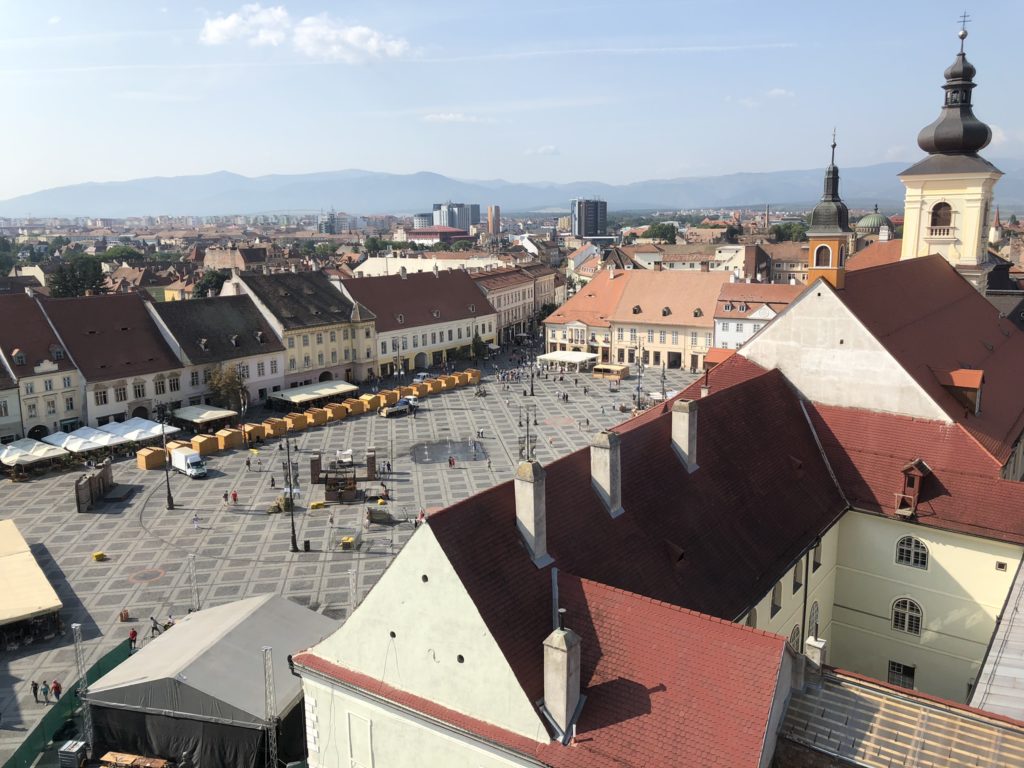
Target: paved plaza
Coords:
[(241, 551)]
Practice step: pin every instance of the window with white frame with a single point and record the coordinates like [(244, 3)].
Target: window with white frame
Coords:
[(31, 410), (174, 383), (693, 338), (906, 616), (67, 382), (913, 552), (776, 599), (319, 338), (901, 674), (48, 385), (51, 407), (261, 369), (159, 387), (139, 389), (100, 397), (334, 356), (273, 367), (812, 620), (3, 408), (291, 342), (30, 388), (291, 363), (69, 403), (120, 394), (794, 638), (319, 358)]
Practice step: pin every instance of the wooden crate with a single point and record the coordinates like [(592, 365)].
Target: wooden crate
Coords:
[(336, 411), (204, 444), (230, 438), (317, 416), (355, 407), (150, 458), (373, 402), (296, 422)]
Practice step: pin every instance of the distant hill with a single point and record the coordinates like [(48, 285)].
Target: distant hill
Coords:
[(366, 192)]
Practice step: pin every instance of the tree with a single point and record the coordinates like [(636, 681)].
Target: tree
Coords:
[(228, 387), (326, 250), (479, 347), (61, 283), (77, 278), (121, 253), (794, 231), (209, 284), (373, 245), (1013, 218), (462, 245), (663, 231), (57, 243)]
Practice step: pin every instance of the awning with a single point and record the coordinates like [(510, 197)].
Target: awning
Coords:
[(570, 358), (493, 347), (201, 414), (135, 430), (320, 391), (26, 592), (84, 439), (28, 451)]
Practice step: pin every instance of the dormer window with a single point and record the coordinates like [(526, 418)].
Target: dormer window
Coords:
[(234, 340), (698, 312), (636, 309), (400, 318), (259, 337), (913, 475), (435, 312), (472, 308), (728, 307), (18, 357), (203, 344), (744, 307), (56, 353), (666, 311)]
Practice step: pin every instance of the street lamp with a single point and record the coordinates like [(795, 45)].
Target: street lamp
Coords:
[(527, 445), (639, 368), (161, 412), (290, 490)]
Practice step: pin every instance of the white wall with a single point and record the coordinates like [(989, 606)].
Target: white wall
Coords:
[(960, 595), (434, 622), (827, 353)]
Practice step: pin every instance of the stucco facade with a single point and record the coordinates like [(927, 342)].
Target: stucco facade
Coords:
[(51, 400)]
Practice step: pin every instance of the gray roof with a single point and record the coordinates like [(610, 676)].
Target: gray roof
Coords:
[(219, 328), (1000, 686), (941, 164), (300, 299), (210, 665)]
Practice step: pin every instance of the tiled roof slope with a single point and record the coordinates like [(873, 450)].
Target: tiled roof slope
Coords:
[(110, 336), (963, 493), (712, 541), (218, 320), (931, 320), (681, 293), (663, 685), (594, 303), (415, 297), (300, 299), (755, 295), (735, 370), (23, 326), (875, 255)]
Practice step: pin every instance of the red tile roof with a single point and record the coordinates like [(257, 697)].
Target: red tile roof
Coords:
[(711, 541), (963, 493), (734, 370), (716, 356), (754, 295), (24, 327), (875, 255), (660, 682), (594, 303), (931, 319)]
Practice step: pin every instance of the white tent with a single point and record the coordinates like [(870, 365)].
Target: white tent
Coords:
[(202, 414), (568, 358), (28, 451), (136, 429), (27, 592), (84, 439), (320, 391)]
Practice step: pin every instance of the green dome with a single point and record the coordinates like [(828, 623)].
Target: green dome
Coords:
[(873, 223)]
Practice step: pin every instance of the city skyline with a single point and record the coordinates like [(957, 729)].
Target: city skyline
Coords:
[(122, 92)]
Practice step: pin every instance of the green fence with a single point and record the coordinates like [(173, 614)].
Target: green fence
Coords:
[(39, 738)]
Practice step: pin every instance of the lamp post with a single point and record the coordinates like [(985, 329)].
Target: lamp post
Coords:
[(639, 368), (161, 412), (528, 409), (664, 394), (290, 490)]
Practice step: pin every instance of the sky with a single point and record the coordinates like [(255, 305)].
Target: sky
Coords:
[(531, 90)]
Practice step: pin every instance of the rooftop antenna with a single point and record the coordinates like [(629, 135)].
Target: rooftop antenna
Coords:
[(962, 34)]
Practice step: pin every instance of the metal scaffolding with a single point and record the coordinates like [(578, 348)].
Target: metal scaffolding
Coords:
[(270, 706)]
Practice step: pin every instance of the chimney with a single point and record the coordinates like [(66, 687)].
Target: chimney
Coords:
[(684, 433), (402, 273), (792, 280), (562, 676), (606, 470), (531, 519), (883, 234), (816, 650), (705, 390)]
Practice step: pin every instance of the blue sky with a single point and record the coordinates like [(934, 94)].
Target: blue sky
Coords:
[(559, 90)]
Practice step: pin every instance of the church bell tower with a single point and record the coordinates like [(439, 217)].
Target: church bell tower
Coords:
[(829, 236), (949, 193)]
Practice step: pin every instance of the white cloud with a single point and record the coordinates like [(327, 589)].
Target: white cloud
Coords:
[(454, 117), (321, 37), (779, 93), (53, 20), (252, 22), (999, 137), (544, 149), (318, 37)]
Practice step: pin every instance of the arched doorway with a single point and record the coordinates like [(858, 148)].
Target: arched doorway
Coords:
[(142, 412), (420, 361), (326, 376), (38, 432)]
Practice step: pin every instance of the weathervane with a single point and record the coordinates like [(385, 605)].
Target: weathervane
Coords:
[(962, 34)]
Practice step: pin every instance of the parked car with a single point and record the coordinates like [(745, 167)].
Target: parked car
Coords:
[(188, 462), (420, 377), (400, 408)]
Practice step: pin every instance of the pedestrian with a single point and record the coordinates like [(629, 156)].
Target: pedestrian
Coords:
[(248, 464), (488, 463), (46, 692), (225, 497), (133, 637), (259, 465), (35, 691), (154, 627), (453, 462), (272, 482), (234, 497), (195, 521), (55, 687)]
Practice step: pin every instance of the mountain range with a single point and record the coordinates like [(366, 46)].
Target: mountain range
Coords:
[(367, 192)]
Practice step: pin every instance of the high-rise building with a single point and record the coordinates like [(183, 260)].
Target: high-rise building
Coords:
[(327, 223), (474, 213), (494, 220), (589, 217), (422, 220), (458, 215)]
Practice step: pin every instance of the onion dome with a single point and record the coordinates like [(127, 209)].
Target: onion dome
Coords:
[(831, 214), (956, 131)]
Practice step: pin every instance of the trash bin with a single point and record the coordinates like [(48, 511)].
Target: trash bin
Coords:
[(305, 545)]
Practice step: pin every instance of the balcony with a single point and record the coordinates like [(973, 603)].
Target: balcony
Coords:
[(940, 233)]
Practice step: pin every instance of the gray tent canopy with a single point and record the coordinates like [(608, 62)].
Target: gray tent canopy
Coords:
[(207, 669)]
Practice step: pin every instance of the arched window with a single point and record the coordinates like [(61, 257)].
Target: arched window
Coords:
[(913, 552), (906, 616), (752, 618), (842, 255), (812, 620), (794, 638), (823, 256), (942, 215), (776, 598)]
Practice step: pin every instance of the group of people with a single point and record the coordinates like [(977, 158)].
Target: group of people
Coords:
[(46, 689)]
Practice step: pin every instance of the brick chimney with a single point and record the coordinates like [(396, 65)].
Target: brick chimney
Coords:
[(684, 433), (562, 676), (606, 470), (531, 517)]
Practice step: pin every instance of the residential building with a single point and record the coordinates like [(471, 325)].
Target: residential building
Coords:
[(494, 220), (430, 235), (583, 322), (422, 220), (788, 261), (10, 409), (544, 287), (415, 261), (589, 217), (223, 331), (456, 215), (743, 309), (510, 291), (747, 262), (120, 354), (326, 336), (236, 257), (423, 319)]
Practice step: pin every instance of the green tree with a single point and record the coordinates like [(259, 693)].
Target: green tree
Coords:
[(326, 250), (121, 253), (794, 231), (89, 277), (57, 243), (227, 387), (374, 245), (479, 347), (462, 245), (662, 231), (209, 284), (61, 283), (1013, 218)]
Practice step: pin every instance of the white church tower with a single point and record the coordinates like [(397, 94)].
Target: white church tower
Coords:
[(949, 193)]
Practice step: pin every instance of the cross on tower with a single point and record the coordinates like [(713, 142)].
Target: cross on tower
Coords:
[(964, 18), (833, 146)]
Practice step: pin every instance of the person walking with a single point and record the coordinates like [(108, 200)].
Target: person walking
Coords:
[(272, 484), (259, 465), (133, 637), (45, 688), (488, 463), (154, 627), (248, 464), (225, 498), (234, 497), (35, 691), (195, 521), (56, 688)]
